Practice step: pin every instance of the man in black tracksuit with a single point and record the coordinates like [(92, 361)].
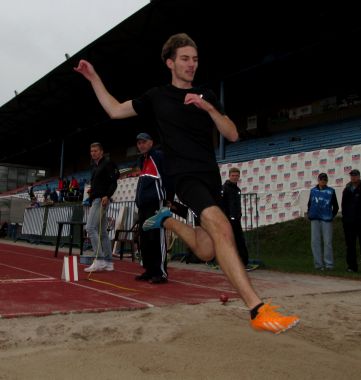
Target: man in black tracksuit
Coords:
[(150, 194), (351, 218), (232, 208)]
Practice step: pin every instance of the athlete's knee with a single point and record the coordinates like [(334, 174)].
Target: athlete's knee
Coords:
[(205, 254), (216, 223), (204, 247)]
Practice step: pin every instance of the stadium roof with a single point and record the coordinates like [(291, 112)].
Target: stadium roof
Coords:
[(265, 54)]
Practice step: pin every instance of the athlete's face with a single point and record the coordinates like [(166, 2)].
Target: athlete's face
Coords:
[(184, 66), (234, 177), (144, 146)]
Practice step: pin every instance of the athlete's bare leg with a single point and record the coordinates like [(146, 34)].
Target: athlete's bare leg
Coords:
[(216, 237), (196, 238)]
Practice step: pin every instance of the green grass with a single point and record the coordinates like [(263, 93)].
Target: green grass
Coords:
[(286, 247)]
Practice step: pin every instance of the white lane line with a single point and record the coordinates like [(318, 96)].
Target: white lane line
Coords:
[(111, 294), (27, 271), (187, 283), (204, 286), (24, 280), (134, 273), (54, 259)]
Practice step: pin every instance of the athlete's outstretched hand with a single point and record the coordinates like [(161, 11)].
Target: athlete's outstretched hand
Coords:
[(86, 69)]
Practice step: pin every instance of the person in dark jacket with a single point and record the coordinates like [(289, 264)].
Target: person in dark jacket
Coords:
[(103, 185), (351, 218), (31, 191), (322, 208), (231, 194), (150, 195)]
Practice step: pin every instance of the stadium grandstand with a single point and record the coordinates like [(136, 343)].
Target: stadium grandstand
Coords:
[(289, 78)]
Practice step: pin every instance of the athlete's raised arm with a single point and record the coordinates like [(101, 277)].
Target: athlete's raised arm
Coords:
[(112, 106)]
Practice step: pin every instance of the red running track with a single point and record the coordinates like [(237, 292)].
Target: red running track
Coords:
[(30, 284)]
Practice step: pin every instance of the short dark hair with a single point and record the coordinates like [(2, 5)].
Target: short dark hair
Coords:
[(354, 172), (322, 176), (175, 42)]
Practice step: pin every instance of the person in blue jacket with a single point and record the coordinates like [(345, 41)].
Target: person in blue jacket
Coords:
[(322, 208)]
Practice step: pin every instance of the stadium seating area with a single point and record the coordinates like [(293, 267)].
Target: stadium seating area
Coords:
[(324, 136), (330, 135), (53, 182)]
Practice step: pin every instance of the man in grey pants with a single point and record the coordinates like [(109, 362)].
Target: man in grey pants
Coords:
[(103, 184), (322, 208)]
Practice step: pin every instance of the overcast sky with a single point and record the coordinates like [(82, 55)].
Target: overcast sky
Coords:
[(36, 34)]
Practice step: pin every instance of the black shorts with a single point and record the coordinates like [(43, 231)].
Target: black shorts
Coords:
[(199, 190)]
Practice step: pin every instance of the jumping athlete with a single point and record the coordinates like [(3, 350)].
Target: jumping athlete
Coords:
[(186, 116)]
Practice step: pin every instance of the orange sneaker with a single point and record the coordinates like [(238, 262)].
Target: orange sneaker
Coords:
[(270, 320)]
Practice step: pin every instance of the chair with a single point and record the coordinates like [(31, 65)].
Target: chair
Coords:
[(72, 226), (76, 221), (126, 240), (126, 237)]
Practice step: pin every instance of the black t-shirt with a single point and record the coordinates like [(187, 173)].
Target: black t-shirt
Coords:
[(186, 132)]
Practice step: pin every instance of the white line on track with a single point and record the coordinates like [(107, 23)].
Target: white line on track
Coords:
[(54, 259), (71, 283), (24, 280), (28, 271), (112, 294), (132, 273), (204, 286)]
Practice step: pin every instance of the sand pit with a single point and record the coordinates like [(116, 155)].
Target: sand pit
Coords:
[(205, 341)]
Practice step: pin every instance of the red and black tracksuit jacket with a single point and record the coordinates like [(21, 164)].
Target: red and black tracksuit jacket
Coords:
[(150, 195)]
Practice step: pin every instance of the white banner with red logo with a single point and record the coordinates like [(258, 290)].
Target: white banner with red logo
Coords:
[(281, 182)]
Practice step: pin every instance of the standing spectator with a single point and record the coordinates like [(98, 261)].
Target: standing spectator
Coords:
[(322, 208), (150, 194), (34, 203), (54, 196), (47, 192), (232, 207), (74, 186), (351, 218), (61, 189), (33, 199), (4, 229), (103, 185), (66, 185), (186, 116), (82, 184), (31, 191)]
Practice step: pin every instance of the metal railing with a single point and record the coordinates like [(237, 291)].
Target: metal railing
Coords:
[(40, 224)]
